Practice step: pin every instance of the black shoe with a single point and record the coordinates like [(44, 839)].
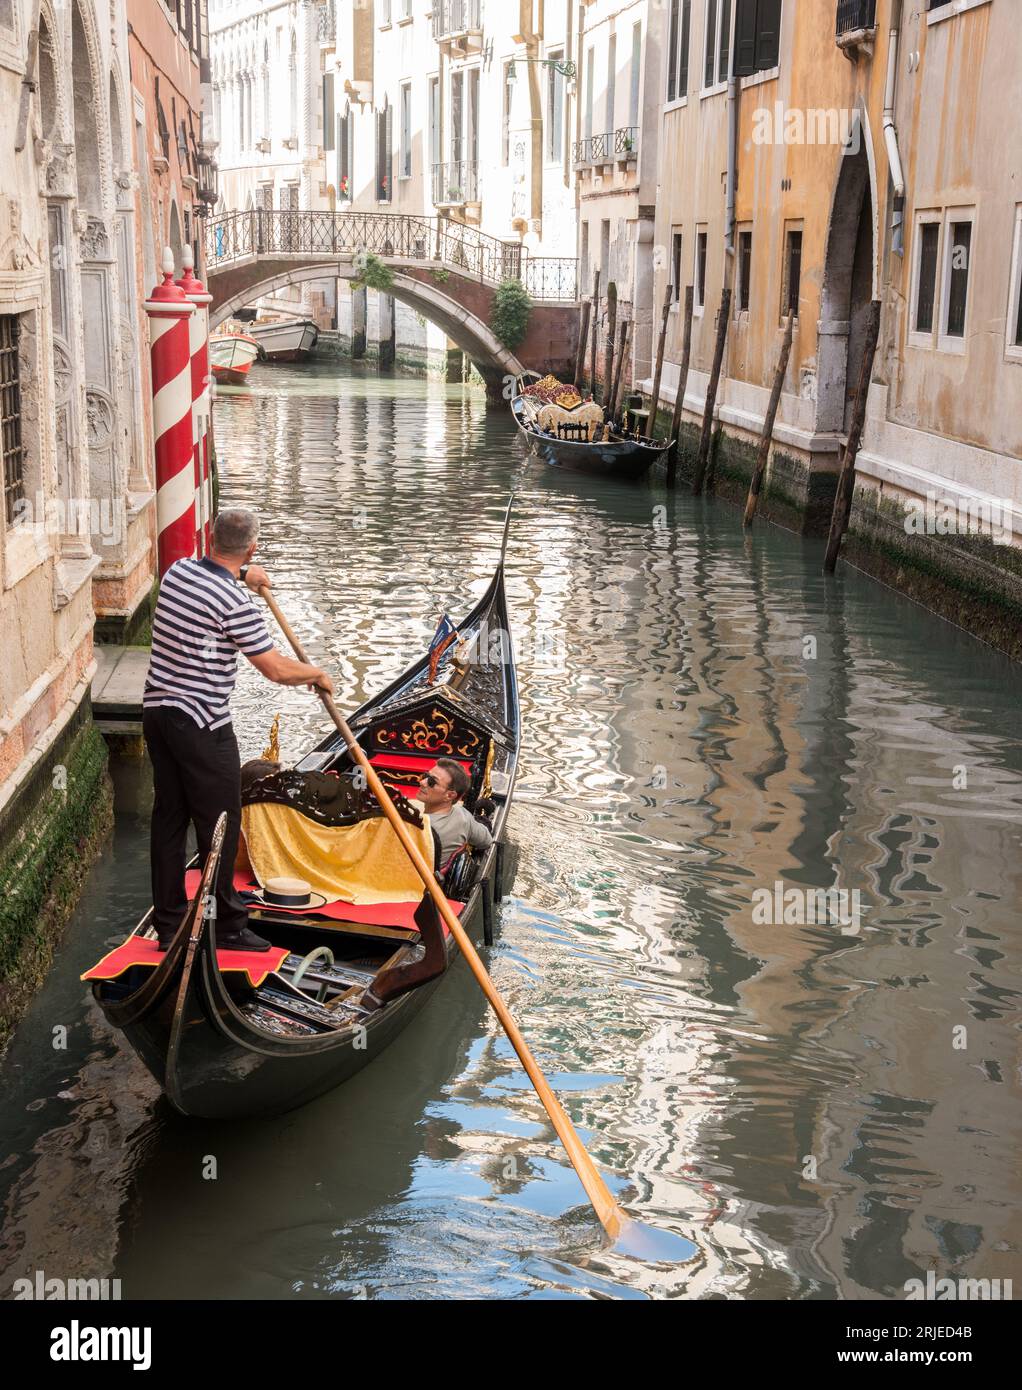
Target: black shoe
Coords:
[(243, 940)]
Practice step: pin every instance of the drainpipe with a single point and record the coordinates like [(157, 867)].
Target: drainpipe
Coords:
[(732, 157), (532, 40), (891, 135)]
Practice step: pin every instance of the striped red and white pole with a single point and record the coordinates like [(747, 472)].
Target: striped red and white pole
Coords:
[(198, 327), (169, 314)]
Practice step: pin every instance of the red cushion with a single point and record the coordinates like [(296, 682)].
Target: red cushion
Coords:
[(406, 762), (140, 950)]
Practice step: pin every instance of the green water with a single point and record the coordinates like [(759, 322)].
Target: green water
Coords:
[(818, 1111)]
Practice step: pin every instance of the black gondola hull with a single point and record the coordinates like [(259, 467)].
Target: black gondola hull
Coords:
[(187, 1021)]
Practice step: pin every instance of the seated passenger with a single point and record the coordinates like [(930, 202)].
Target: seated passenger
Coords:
[(440, 794)]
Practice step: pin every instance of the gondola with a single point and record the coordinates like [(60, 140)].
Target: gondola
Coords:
[(620, 455), (230, 1037)]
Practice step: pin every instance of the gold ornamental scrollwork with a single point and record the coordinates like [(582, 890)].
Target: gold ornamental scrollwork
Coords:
[(437, 735)]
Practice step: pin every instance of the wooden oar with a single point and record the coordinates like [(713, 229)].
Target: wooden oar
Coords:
[(610, 1214)]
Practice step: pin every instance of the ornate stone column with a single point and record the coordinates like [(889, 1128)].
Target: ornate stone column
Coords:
[(96, 271), (60, 190)]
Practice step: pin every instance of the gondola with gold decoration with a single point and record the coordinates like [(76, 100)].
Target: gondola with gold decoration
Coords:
[(230, 1035)]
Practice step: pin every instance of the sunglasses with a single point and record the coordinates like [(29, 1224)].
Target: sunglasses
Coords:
[(431, 781)]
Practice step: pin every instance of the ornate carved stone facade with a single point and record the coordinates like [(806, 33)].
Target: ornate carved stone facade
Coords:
[(80, 429)]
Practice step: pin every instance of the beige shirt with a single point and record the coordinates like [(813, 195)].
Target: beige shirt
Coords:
[(457, 827)]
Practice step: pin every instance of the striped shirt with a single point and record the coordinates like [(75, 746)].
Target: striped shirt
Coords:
[(204, 618)]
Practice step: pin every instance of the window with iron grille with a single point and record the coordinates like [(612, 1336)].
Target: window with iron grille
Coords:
[(853, 15), (10, 415)]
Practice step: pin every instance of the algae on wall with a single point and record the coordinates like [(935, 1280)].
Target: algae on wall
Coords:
[(49, 835)]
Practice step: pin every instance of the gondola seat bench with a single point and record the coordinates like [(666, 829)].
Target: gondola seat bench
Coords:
[(405, 769), (396, 916)]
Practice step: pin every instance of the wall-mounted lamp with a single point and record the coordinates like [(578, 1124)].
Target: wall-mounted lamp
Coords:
[(559, 65)]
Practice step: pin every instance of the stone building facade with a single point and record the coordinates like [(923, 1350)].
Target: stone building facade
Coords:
[(869, 161), (266, 112), (851, 180), (76, 530), (615, 156)]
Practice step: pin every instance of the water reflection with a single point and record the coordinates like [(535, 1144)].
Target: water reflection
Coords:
[(704, 716)]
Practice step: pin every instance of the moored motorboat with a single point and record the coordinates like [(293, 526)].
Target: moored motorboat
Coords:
[(285, 339), (576, 438), (230, 1035), (231, 354)]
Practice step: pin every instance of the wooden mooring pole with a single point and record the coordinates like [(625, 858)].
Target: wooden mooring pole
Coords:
[(756, 482), (679, 400), (596, 331), (711, 392), (846, 478), (608, 351), (659, 369), (619, 375), (583, 338), (622, 345)]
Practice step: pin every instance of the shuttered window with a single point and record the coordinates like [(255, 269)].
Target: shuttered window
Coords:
[(345, 154), (757, 36), (328, 111), (384, 146)]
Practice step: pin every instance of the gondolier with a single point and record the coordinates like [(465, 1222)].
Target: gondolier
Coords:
[(204, 617)]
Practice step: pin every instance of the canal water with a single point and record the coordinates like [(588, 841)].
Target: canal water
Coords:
[(805, 1108)]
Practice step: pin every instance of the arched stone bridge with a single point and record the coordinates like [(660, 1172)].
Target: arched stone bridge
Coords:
[(441, 269)]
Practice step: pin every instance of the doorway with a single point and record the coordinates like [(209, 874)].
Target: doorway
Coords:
[(847, 288)]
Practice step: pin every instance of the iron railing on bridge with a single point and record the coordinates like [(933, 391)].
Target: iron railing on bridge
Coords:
[(242, 236), (551, 277)]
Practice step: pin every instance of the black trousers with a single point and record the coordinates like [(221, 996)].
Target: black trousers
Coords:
[(196, 776)]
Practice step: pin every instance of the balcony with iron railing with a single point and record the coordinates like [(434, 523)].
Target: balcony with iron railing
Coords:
[(456, 183), (617, 145), (458, 26), (856, 21)]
